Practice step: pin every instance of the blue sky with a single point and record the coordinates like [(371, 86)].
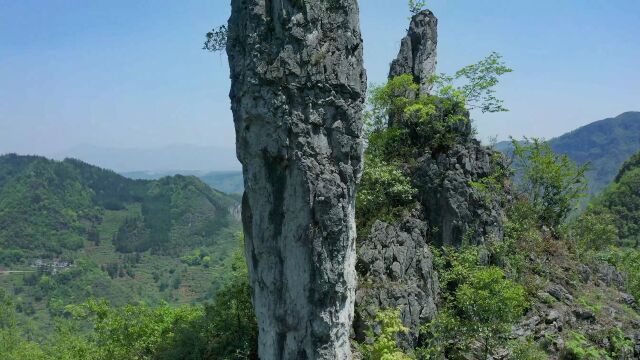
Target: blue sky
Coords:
[(122, 73)]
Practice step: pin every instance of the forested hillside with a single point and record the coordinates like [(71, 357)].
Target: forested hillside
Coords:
[(603, 144), (229, 182), (70, 231)]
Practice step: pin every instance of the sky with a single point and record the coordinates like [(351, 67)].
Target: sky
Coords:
[(132, 74)]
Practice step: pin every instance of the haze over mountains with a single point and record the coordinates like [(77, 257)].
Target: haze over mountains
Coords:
[(183, 157), (605, 144)]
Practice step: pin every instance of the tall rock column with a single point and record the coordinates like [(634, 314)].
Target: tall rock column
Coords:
[(417, 55), (297, 93)]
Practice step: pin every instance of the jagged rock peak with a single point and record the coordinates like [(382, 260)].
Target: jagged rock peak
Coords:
[(297, 93), (417, 55)]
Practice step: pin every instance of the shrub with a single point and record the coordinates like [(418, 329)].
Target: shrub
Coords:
[(384, 346), (480, 305), (383, 186), (551, 183)]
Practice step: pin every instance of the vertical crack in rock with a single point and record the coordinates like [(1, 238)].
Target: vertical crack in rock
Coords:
[(297, 93)]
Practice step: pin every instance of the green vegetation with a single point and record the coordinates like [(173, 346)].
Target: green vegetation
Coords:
[(621, 202), (479, 305), (551, 183), (579, 347), (75, 232), (384, 345), (223, 329), (402, 124), (605, 145), (415, 6), (216, 39)]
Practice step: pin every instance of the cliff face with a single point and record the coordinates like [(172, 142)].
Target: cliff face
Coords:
[(297, 93), (459, 213), (395, 268), (394, 261)]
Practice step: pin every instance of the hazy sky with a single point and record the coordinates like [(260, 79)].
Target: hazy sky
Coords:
[(125, 73)]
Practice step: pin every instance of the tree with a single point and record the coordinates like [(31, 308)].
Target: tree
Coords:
[(472, 87), (384, 346), (551, 183), (415, 6), (216, 39), (479, 306), (489, 305), (477, 84), (593, 230)]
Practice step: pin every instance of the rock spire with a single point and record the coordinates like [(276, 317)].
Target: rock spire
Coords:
[(297, 93)]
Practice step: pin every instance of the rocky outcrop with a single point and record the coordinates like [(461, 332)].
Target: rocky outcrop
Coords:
[(567, 306), (396, 271), (417, 55), (297, 93), (394, 261), (458, 212)]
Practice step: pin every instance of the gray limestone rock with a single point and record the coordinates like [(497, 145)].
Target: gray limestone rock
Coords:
[(297, 93), (417, 55), (457, 212), (395, 268)]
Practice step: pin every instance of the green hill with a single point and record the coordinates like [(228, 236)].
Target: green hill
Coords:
[(230, 182), (622, 200), (70, 231), (605, 144)]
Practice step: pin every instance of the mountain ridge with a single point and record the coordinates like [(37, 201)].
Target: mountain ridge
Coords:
[(606, 144)]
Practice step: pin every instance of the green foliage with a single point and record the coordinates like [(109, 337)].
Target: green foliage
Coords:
[(383, 186), (551, 183), (579, 347), (224, 329), (480, 304), (133, 331), (478, 83), (621, 345), (425, 120), (13, 345), (592, 231), (415, 6), (216, 39), (526, 349), (627, 261), (71, 221), (384, 346), (621, 201)]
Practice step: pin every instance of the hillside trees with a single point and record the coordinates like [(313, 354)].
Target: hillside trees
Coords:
[(551, 183), (480, 304)]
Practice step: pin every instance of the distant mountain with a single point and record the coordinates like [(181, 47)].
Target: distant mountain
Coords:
[(230, 182), (189, 157), (90, 232), (605, 144)]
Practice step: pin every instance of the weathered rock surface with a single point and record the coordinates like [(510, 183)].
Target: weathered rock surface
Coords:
[(580, 305), (417, 55), (298, 87), (395, 267), (394, 261), (458, 212)]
